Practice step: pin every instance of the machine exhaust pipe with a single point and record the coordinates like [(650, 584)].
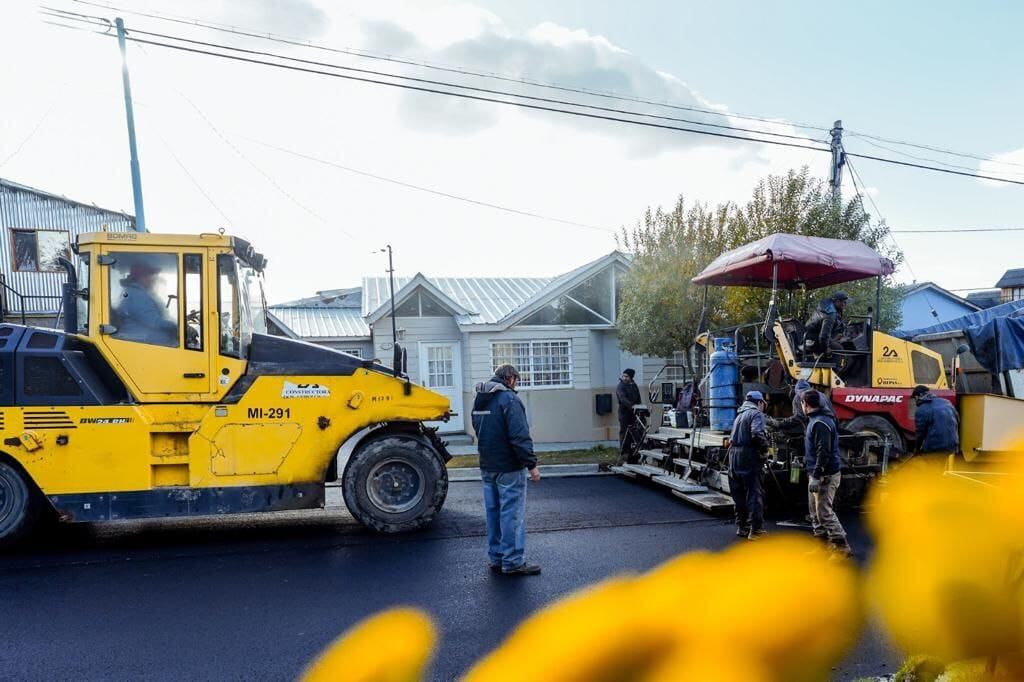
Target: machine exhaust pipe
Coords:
[(69, 297)]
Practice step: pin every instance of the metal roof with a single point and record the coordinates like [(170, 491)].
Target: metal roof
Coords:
[(323, 323), (1011, 278), (50, 195), (331, 298), (488, 298)]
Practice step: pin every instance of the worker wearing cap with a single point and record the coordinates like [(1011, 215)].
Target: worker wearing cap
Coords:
[(823, 464), (748, 443), (936, 425), (627, 393), (141, 315), (825, 325), (798, 420)]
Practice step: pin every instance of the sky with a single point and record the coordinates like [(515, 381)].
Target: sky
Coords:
[(287, 160)]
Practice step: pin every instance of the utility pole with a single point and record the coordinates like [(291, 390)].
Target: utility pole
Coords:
[(140, 213), (391, 284), (835, 179)]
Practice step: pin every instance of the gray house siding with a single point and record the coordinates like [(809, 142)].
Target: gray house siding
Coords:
[(557, 415), (411, 331)]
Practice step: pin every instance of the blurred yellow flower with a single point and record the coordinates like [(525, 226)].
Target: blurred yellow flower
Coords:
[(778, 609), (593, 635), (945, 576), (393, 646), (782, 606)]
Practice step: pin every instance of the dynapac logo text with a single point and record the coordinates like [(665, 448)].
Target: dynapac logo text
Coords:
[(892, 399)]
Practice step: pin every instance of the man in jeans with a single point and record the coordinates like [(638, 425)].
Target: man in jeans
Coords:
[(506, 456), (822, 462)]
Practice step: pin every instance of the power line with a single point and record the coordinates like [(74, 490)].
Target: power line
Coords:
[(535, 107), (365, 54), (953, 230), (932, 148), (935, 168), (427, 81), (195, 182), (428, 190), (381, 177), (596, 93), (925, 158), (466, 96)]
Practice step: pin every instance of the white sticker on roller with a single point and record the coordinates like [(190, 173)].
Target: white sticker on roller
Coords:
[(291, 390)]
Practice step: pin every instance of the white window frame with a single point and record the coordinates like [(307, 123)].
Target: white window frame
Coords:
[(357, 352), (673, 374), (528, 368)]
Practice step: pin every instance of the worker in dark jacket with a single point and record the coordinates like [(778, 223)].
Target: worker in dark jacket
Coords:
[(823, 464), (798, 420), (936, 425), (825, 325), (506, 457), (627, 393), (748, 444)]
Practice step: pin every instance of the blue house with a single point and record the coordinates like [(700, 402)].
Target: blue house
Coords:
[(927, 303)]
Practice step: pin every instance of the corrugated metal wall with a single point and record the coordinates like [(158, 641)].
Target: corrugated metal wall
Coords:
[(22, 208)]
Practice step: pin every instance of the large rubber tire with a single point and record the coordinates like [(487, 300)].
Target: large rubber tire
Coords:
[(19, 506), (881, 427), (395, 483)]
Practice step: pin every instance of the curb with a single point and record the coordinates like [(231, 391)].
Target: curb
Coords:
[(462, 474)]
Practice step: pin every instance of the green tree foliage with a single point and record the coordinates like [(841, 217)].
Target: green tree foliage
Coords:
[(660, 310)]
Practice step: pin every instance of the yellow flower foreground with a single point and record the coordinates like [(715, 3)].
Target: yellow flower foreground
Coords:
[(947, 581)]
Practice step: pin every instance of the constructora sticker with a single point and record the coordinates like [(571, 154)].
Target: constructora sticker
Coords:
[(291, 390)]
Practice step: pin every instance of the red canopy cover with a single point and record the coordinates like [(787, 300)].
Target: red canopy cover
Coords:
[(812, 261)]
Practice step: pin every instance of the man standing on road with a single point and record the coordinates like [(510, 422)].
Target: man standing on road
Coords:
[(936, 425), (822, 462), (506, 456), (747, 444), (627, 393)]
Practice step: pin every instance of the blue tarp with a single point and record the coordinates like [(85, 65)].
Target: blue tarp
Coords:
[(998, 345), (973, 320)]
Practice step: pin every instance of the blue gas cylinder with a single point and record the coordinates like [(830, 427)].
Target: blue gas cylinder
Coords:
[(723, 385)]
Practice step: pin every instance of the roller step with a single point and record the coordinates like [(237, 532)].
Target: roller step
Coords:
[(656, 455), (644, 470), (709, 501), (680, 485)]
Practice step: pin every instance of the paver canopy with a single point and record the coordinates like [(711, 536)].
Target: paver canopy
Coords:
[(812, 261)]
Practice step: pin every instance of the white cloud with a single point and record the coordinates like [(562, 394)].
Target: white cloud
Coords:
[(1008, 165), (598, 174)]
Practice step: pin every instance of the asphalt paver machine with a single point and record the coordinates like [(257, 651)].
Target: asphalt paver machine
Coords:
[(869, 381)]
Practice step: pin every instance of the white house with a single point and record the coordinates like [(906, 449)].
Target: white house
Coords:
[(560, 332)]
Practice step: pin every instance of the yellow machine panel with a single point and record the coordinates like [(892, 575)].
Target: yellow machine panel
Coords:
[(896, 363)]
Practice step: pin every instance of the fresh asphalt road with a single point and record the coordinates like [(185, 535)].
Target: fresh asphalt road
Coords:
[(256, 597)]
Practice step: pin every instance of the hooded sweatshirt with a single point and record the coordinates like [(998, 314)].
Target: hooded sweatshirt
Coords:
[(503, 434), (748, 440)]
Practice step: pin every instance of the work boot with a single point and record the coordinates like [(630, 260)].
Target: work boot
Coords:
[(840, 546), (525, 568), (742, 531), (757, 534), (495, 568)]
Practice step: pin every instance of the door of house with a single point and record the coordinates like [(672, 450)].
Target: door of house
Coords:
[(441, 371)]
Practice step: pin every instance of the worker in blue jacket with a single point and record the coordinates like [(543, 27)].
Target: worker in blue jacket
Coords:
[(823, 464), (936, 424), (748, 445), (506, 459)]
